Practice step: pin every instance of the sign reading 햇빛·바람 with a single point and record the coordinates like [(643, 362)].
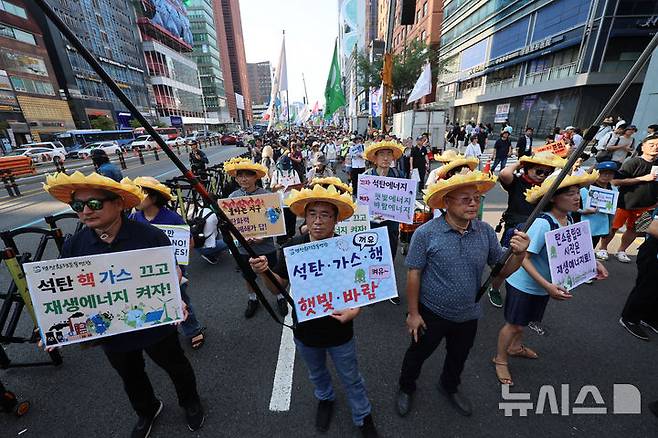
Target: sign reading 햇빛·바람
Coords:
[(571, 255), (388, 198), (179, 236), (86, 298), (604, 200), (359, 221), (256, 216), (340, 273)]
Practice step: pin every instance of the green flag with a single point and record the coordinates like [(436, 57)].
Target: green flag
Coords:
[(333, 91)]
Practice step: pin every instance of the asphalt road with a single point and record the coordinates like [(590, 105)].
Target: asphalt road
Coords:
[(236, 370)]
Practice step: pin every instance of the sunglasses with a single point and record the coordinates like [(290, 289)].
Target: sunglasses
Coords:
[(543, 172), (93, 204), (467, 200)]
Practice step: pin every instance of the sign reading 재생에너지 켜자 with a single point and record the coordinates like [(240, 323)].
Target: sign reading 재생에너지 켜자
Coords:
[(86, 298), (340, 273), (388, 198), (359, 221), (179, 236), (571, 255), (256, 216), (604, 200)]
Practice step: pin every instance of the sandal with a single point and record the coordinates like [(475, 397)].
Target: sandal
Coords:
[(198, 340), (505, 378), (523, 352)]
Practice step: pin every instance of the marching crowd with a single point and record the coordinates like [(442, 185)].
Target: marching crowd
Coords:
[(446, 261)]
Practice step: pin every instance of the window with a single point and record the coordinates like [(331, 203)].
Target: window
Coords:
[(31, 86), (12, 9), (17, 34), (424, 9), (418, 15), (423, 35)]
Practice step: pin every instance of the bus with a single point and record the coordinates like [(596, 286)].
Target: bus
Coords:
[(166, 133), (79, 138)]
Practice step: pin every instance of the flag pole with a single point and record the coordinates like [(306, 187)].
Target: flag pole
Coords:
[(287, 98)]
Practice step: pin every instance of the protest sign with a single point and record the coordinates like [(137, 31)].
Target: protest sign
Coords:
[(86, 298), (603, 199), (257, 215), (571, 255), (559, 148), (388, 198), (179, 236), (340, 273), (359, 221)]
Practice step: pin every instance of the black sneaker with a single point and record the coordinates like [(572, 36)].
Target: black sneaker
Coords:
[(211, 260), (323, 415), (252, 305), (653, 407), (495, 298), (650, 325), (195, 416), (282, 305), (368, 429), (634, 329), (395, 300), (143, 427)]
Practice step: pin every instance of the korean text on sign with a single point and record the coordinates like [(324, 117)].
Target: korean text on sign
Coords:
[(344, 272), (602, 199), (256, 216), (85, 298), (388, 198), (179, 236), (358, 222), (571, 255)]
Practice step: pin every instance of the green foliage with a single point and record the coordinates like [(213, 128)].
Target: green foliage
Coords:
[(103, 123), (134, 123)]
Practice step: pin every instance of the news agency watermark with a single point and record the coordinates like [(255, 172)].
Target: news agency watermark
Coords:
[(626, 399)]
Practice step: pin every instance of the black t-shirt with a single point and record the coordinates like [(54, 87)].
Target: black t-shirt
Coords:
[(418, 156), (643, 194), (502, 146), (321, 332), (518, 209)]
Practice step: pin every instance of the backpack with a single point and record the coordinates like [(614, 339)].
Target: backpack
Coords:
[(604, 154), (197, 225)]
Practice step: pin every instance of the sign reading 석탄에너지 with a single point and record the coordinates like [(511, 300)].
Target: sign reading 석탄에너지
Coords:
[(339, 273), (179, 236), (359, 221), (388, 198), (256, 216), (85, 298), (571, 255)]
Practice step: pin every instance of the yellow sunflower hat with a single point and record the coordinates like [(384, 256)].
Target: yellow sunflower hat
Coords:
[(545, 158), (471, 162), (373, 148), (233, 165), (534, 194), (299, 199), (435, 194), (448, 156), (331, 181), (148, 182), (62, 186)]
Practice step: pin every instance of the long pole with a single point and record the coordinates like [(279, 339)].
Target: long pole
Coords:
[(589, 135), (208, 198), (286, 72), (305, 92)]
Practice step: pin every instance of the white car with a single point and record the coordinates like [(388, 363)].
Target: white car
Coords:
[(178, 141), (39, 155), (110, 148), (52, 145), (144, 142)]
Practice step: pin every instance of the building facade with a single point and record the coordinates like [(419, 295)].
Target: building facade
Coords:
[(260, 83), (540, 63), (107, 28), (426, 27)]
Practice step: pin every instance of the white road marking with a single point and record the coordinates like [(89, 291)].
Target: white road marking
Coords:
[(285, 365)]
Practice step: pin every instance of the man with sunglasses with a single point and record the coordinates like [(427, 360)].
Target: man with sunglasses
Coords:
[(100, 203)]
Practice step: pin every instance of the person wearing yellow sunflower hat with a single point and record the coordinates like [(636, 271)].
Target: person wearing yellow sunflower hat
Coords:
[(453, 164), (529, 289), (446, 260), (323, 208), (100, 203)]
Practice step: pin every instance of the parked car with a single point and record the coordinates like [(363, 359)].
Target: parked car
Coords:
[(110, 148), (178, 141), (144, 142), (39, 154), (195, 137), (229, 139), (52, 145)]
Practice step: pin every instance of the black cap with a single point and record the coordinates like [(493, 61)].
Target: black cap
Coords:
[(97, 152)]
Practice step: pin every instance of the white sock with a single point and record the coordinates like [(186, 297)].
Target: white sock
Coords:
[(252, 297)]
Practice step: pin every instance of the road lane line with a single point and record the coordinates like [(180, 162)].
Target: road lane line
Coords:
[(285, 365), (36, 221)]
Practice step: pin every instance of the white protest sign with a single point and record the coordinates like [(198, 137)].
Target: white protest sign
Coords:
[(359, 221), (603, 199), (340, 273), (86, 298), (388, 198), (179, 236), (571, 255)]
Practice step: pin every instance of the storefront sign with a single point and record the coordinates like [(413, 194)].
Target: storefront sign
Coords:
[(502, 113)]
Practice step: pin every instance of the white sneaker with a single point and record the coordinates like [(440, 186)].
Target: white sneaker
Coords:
[(602, 254), (622, 257)]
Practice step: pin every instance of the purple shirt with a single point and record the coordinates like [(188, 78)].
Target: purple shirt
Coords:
[(164, 217)]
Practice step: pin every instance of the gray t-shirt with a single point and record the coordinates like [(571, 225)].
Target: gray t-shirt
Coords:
[(452, 265), (267, 245)]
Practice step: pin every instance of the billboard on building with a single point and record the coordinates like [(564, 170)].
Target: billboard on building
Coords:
[(170, 15)]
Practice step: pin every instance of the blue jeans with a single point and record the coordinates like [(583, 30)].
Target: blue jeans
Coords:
[(220, 247), (191, 326), (344, 358), (499, 160)]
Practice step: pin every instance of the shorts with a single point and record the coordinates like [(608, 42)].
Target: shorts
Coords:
[(250, 274), (522, 308), (628, 217)]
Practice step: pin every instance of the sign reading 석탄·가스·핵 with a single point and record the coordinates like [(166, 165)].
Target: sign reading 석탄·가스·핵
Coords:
[(388, 198), (85, 298), (179, 236), (359, 221), (256, 216), (571, 255), (603, 199), (340, 273)]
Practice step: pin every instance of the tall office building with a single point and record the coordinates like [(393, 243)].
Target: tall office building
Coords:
[(426, 27), (107, 28), (540, 63), (206, 55), (31, 108), (260, 82)]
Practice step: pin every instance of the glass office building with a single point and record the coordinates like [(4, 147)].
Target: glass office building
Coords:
[(540, 63)]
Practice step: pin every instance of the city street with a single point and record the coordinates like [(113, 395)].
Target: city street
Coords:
[(252, 384)]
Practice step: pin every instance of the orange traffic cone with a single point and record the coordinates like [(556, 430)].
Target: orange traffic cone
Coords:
[(487, 167)]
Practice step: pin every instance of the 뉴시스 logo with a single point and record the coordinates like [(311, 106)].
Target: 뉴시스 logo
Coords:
[(626, 399)]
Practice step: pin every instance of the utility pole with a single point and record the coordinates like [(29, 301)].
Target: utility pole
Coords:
[(387, 66)]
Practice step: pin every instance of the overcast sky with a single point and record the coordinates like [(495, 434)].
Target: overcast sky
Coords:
[(311, 29)]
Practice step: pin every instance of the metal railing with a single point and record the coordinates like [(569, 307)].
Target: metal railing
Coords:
[(491, 87), (551, 74)]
